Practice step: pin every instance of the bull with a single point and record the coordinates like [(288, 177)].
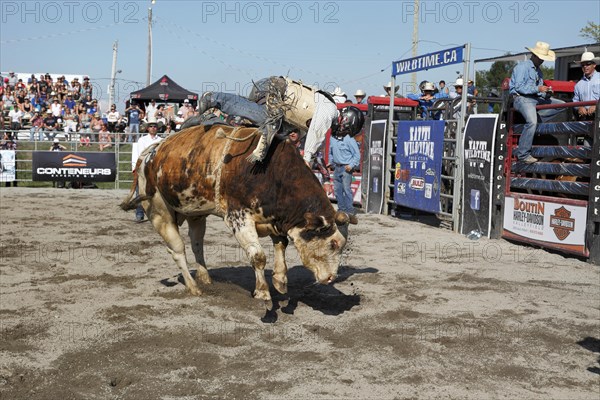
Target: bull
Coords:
[(203, 171)]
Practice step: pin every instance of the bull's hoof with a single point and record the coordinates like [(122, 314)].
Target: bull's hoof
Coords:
[(202, 278), (194, 291), (280, 286), (262, 295)]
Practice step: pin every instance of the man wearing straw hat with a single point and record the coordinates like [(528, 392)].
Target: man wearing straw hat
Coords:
[(588, 88), (528, 90)]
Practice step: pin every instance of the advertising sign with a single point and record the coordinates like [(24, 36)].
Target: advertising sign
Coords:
[(479, 139), (557, 225), (7, 166), (74, 166), (375, 176), (428, 61), (419, 164)]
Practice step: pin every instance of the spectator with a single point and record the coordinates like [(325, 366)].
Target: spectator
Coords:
[(294, 139), (56, 146), (443, 89), (143, 143), (12, 80), (15, 116), (104, 138), (27, 108), (588, 87), (426, 98), (388, 90), (360, 96), (37, 126), (50, 125), (133, 117), (151, 109), (86, 88), (344, 158), (69, 102), (69, 123), (528, 90), (472, 89), (92, 107), (56, 108), (85, 140), (96, 126), (112, 118), (338, 95), (186, 110)]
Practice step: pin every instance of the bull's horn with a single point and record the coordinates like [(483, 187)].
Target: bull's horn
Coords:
[(341, 218)]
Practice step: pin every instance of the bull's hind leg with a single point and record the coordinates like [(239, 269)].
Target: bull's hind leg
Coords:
[(196, 232), (244, 230), (280, 267), (165, 225)]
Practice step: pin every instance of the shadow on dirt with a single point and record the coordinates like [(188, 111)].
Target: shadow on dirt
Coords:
[(593, 345), (301, 289)]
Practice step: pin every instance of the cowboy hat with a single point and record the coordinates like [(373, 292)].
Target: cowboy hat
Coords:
[(338, 92), (389, 86), (359, 93), (459, 82), (588, 56), (428, 86), (542, 50)]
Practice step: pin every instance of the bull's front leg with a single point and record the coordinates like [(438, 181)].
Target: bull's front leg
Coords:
[(243, 227), (280, 267)]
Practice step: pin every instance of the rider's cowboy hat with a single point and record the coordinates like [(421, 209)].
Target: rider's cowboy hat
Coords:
[(338, 92), (588, 56), (542, 50), (359, 93)]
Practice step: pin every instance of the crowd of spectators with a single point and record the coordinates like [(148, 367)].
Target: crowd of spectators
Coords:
[(46, 107)]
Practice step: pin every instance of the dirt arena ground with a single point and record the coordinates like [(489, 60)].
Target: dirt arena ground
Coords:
[(92, 307)]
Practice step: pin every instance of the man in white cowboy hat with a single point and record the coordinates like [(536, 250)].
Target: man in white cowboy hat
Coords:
[(528, 90), (360, 96), (588, 88), (339, 96), (388, 90)]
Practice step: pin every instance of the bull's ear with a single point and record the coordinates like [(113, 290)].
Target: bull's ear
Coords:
[(341, 218)]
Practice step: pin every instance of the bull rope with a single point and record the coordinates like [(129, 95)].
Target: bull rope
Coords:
[(219, 168)]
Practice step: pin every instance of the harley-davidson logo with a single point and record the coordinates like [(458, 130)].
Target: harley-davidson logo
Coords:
[(562, 223)]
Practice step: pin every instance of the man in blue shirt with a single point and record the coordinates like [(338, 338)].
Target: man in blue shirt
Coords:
[(588, 88), (426, 98), (344, 157), (528, 90)]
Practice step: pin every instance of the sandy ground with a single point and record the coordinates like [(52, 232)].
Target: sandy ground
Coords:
[(92, 307)]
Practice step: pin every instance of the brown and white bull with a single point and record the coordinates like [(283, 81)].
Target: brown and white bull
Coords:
[(198, 172)]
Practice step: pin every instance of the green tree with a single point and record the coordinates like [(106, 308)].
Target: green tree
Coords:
[(492, 78), (591, 31), (547, 72)]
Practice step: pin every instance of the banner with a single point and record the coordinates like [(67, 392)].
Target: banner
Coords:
[(419, 153), (376, 166), (555, 225), (7, 166), (74, 166), (479, 139), (428, 61)]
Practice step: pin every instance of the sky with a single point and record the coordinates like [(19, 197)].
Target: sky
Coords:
[(218, 45)]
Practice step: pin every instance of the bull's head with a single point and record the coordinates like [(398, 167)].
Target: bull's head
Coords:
[(320, 243)]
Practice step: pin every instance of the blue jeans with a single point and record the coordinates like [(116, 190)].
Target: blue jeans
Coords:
[(342, 187), (234, 104), (133, 128), (526, 106)]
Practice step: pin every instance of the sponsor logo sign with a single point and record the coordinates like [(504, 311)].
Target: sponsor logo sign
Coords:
[(73, 166)]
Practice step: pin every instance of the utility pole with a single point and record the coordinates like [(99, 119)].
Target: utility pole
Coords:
[(149, 64), (415, 41), (113, 75)]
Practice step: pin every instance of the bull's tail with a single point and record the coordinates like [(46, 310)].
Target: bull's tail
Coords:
[(131, 204), (221, 134)]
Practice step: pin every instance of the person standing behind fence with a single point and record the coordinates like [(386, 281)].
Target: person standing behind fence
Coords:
[(143, 143), (588, 88), (133, 119), (528, 90), (112, 118), (344, 158)]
